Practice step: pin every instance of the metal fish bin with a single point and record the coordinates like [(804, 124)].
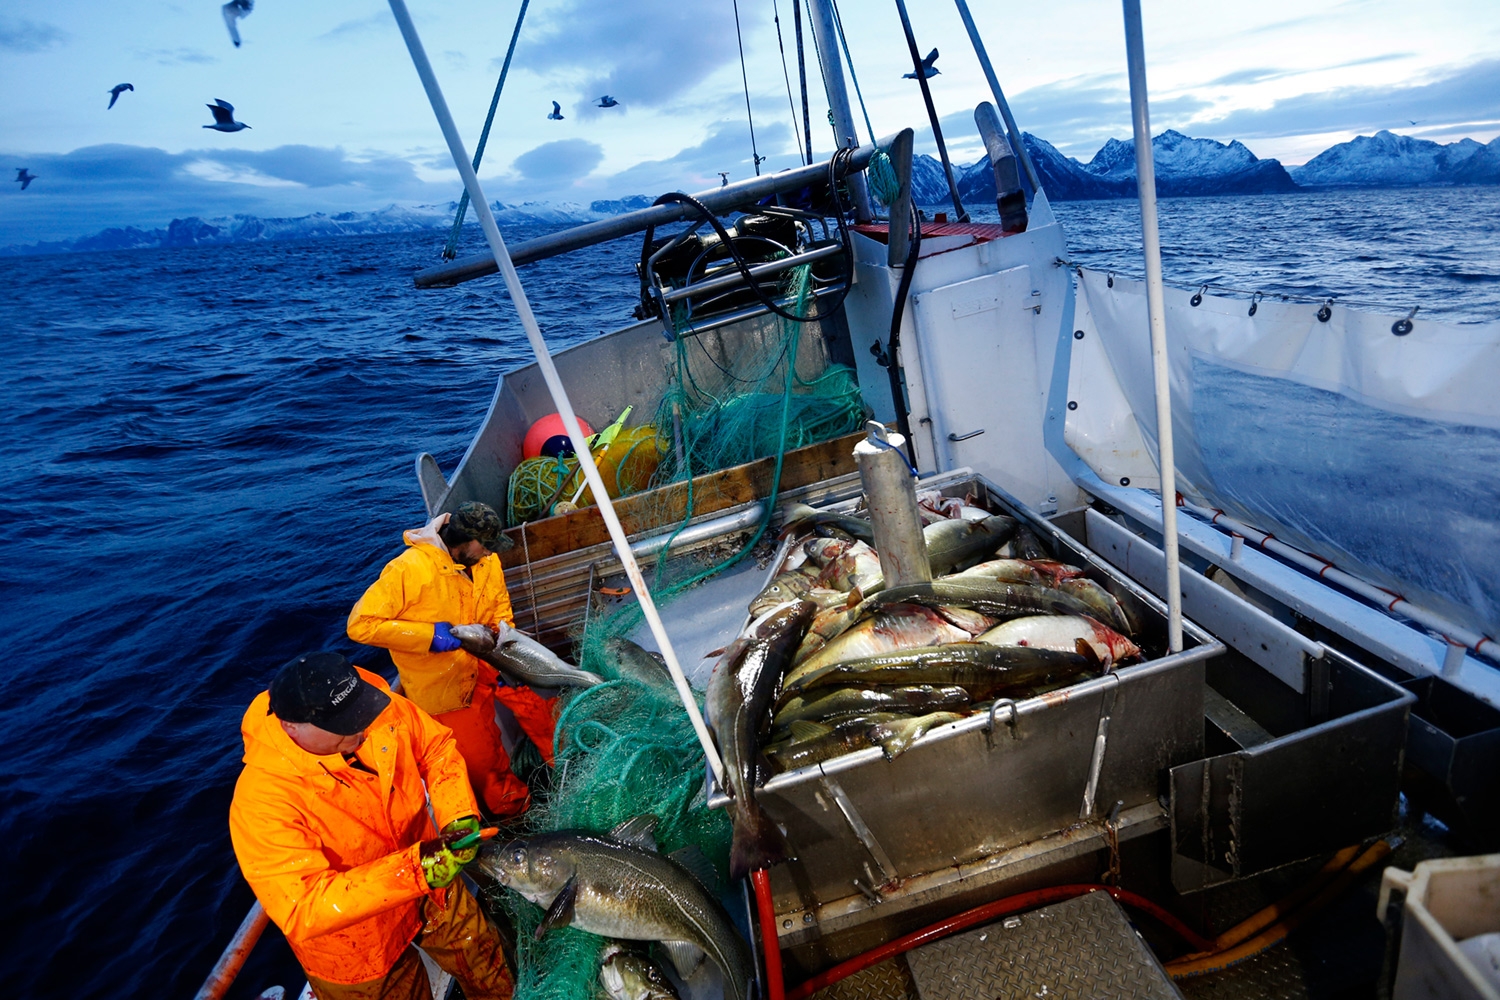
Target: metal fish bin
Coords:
[(882, 844)]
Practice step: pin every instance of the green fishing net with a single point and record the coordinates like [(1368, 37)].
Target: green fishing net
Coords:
[(626, 749)]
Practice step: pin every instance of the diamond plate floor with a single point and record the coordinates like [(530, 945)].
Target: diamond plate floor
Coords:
[(1081, 949), (888, 980)]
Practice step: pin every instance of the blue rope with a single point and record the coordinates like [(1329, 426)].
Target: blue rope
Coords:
[(450, 250)]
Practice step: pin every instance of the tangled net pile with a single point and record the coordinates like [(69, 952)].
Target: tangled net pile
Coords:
[(625, 749)]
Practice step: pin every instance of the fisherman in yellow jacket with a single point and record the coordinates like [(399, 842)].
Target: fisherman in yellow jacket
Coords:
[(449, 575)]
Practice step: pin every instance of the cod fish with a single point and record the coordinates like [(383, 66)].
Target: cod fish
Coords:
[(989, 597), (893, 627), (951, 541), (1100, 602), (1028, 546), (618, 886), (844, 702), (520, 656), (792, 585), (856, 568), (799, 517), (1042, 572), (633, 663), (981, 669), (744, 682), (812, 742), (1063, 632), (896, 736), (627, 974)]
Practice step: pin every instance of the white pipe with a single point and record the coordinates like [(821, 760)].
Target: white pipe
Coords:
[(1481, 644), (1145, 169), (825, 37), (554, 382)]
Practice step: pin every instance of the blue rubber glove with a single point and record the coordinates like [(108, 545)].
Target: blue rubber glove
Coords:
[(442, 638)]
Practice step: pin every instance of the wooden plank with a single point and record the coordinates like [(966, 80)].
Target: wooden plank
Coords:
[(667, 505)]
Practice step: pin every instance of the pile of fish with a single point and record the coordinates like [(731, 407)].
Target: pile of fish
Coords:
[(834, 662)]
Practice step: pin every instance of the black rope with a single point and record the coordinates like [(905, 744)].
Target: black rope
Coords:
[(937, 131), (893, 372), (776, 16), (450, 249), (802, 77), (746, 80), (839, 159)]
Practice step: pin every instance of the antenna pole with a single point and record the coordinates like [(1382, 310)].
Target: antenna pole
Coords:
[(1145, 169), (554, 381), (825, 36)]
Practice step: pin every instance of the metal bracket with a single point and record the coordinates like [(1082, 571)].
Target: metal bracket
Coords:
[(861, 830), (1101, 740), (1011, 720), (965, 437)]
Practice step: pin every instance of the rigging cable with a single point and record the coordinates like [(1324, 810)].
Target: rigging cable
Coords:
[(802, 77), (812, 25), (754, 153), (920, 72), (450, 249), (776, 16), (838, 24)]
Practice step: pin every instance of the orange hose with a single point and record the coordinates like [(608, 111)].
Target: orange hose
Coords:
[(1264, 918), (1198, 965)]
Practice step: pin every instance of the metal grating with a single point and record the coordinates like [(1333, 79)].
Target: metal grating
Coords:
[(888, 980), (1083, 949)]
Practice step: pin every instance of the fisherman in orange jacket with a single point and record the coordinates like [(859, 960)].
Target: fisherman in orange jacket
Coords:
[(330, 825), (450, 575)]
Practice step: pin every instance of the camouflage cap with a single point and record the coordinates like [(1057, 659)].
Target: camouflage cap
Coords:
[(480, 522)]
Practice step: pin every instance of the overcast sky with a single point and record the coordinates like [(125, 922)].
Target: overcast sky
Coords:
[(339, 121)]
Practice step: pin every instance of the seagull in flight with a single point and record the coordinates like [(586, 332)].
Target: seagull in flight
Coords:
[(233, 11), (116, 91), (224, 117), (556, 114), (928, 69), (1416, 123), (607, 102), (24, 177)]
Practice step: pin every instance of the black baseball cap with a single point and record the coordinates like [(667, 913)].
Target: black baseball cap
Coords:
[(325, 690)]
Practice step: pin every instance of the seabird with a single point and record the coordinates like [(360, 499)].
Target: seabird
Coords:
[(233, 11), (556, 114), (723, 178), (24, 177), (607, 102), (1416, 123), (224, 117), (928, 69), (116, 91)]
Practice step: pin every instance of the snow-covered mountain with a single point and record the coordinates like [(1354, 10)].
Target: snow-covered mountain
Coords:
[(1389, 160), (193, 231)]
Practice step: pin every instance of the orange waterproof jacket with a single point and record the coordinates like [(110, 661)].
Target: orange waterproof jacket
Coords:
[(417, 589), (330, 849)]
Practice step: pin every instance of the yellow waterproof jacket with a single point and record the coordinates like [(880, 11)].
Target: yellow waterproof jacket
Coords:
[(417, 589), (330, 849)]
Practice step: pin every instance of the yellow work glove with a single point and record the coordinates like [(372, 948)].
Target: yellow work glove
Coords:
[(442, 865)]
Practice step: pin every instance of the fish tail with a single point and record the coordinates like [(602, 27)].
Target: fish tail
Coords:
[(758, 842)]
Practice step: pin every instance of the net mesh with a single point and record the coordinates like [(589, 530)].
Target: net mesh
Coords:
[(624, 748)]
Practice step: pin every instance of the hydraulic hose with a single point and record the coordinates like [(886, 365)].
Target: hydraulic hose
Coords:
[(892, 369), (984, 914)]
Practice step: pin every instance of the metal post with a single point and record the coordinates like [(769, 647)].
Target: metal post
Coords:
[(825, 37), (554, 381), (233, 959), (892, 501), (989, 74), (1145, 169), (937, 130)]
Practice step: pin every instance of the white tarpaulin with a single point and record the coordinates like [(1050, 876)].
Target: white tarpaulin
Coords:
[(1377, 451)]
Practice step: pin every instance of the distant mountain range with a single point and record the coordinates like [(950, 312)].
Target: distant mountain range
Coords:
[(1184, 167)]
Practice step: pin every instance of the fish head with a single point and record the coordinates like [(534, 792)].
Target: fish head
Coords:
[(530, 868), (627, 975), (786, 587), (822, 551)]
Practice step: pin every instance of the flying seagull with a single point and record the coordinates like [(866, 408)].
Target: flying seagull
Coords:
[(116, 91), (224, 117), (556, 114), (24, 177), (928, 69), (607, 102), (1416, 123), (233, 11)]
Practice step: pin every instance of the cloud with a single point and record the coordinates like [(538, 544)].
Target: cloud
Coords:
[(1248, 76), (644, 52), (358, 26), (21, 35), (559, 161), (726, 148), (174, 57), (1466, 94)]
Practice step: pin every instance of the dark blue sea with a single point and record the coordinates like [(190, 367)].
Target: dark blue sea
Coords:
[(210, 455)]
